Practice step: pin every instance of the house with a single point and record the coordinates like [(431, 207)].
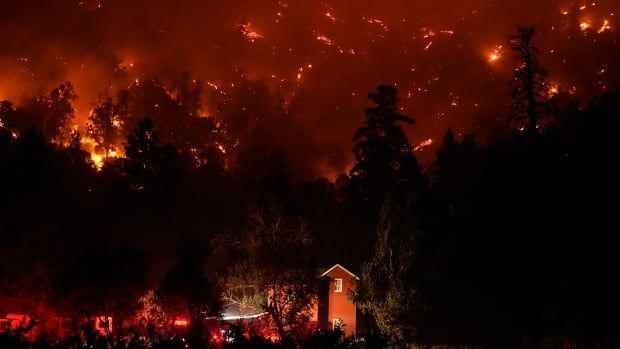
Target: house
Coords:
[(334, 308)]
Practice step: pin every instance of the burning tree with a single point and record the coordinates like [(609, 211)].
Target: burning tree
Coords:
[(57, 111), (529, 87), (104, 126), (270, 271)]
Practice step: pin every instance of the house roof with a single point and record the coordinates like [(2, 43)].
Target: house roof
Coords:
[(341, 267)]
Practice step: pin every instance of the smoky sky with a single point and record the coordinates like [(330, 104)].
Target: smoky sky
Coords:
[(321, 58)]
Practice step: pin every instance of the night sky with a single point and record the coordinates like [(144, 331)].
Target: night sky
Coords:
[(451, 59)]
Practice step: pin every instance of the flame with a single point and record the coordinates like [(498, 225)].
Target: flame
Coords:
[(324, 39), (605, 27), (97, 160), (250, 34), (424, 144), (496, 54), (585, 25), (554, 89)]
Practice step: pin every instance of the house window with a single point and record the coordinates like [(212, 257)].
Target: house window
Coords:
[(337, 285), (338, 324)]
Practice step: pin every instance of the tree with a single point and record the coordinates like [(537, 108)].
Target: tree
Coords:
[(387, 288), (529, 86), (76, 154), (382, 151), (104, 126), (151, 318), (107, 283), (58, 111), (7, 116), (189, 94), (187, 291), (270, 270), (142, 153)]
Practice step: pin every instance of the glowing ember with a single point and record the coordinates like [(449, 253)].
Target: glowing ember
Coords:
[(496, 54), (585, 26), (553, 90), (423, 145), (324, 39), (605, 27), (246, 29)]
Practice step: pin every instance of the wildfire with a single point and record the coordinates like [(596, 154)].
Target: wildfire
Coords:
[(97, 160), (423, 145), (553, 90), (605, 27), (378, 22), (584, 25), (324, 39), (250, 34), (496, 54)]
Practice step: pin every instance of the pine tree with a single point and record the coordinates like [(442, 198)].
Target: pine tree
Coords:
[(529, 87), (382, 151)]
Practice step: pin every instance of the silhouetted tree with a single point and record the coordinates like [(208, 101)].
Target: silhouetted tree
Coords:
[(383, 154), (187, 291), (57, 110), (107, 283), (104, 126), (188, 94), (77, 155), (270, 270), (146, 159), (530, 89)]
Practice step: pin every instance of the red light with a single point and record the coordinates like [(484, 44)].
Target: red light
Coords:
[(180, 323)]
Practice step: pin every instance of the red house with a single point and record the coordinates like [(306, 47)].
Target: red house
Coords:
[(334, 309)]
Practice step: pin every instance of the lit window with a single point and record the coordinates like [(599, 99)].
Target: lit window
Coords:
[(338, 324), (338, 285)]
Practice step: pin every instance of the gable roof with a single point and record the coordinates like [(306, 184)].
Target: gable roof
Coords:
[(341, 267)]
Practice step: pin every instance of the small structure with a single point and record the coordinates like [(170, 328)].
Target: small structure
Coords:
[(334, 309)]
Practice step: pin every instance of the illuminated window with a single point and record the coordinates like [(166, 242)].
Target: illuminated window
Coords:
[(338, 323), (337, 285)]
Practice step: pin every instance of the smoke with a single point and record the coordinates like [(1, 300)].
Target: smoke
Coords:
[(318, 59)]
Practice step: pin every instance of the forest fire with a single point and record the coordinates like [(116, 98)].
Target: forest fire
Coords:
[(356, 34), (496, 54), (181, 174)]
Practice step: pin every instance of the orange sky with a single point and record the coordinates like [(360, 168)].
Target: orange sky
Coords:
[(323, 55)]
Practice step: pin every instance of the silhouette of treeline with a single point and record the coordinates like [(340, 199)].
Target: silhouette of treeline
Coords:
[(512, 241)]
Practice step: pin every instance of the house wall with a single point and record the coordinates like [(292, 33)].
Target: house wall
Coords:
[(339, 306)]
